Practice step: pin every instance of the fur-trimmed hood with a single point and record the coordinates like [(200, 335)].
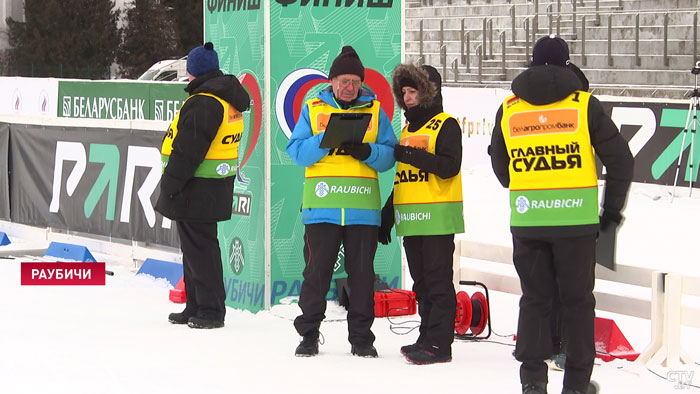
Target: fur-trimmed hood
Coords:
[(425, 79)]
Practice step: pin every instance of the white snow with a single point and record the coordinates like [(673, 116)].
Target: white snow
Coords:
[(116, 338)]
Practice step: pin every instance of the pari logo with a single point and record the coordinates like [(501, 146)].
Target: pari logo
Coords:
[(254, 123), (522, 204), (291, 94)]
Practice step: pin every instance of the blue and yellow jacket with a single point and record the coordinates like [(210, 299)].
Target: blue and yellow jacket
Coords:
[(303, 148)]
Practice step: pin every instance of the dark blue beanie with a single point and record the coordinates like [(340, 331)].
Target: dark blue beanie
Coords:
[(202, 60)]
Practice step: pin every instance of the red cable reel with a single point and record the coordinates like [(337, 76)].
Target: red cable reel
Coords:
[(472, 314)]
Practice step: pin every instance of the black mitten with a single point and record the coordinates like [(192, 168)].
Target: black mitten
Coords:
[(384, 235), (358, 151), (403, 153), (609, 220)]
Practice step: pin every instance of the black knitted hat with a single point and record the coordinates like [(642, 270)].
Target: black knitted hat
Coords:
[(550, 50), (347, 63)]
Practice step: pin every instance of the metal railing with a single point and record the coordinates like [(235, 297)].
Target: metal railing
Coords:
[(581, 29), (583, 41), (666, 61), (610, 58), (637, 58), (455, 69), (502, 39), (479, 52), (443, 59)]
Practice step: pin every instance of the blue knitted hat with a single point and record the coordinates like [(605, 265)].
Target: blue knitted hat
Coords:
[(202, 60)]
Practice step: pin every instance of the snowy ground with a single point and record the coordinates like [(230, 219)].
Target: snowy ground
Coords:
[(116, 338)]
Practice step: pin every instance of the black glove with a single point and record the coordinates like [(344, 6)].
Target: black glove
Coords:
[(609, 220), (404, 154), (384, 234), (358, 151)]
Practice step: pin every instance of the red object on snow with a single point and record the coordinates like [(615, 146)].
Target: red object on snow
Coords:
[(610, 343), (472, 313), (394, 302), (177, 295)]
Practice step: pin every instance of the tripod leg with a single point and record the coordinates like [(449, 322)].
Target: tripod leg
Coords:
[(691, 107), (692, 144)]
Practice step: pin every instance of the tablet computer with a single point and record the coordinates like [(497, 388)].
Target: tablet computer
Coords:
[(345, 128)]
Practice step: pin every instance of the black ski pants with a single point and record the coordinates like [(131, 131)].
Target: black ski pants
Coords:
[(545, 266), (204, 275), (430, 263), (321, 246)]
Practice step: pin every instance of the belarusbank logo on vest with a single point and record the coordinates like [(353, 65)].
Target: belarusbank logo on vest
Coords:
[(523, 204), (323, 189)]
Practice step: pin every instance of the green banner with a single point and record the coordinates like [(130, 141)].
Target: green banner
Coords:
[(237, 30), (120, 100), (305, 37)]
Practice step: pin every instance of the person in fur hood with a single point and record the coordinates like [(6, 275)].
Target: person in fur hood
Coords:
[(543, 148), (426, 206)]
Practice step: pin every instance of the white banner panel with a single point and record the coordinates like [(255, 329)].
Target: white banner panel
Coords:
[(28, 96), (475, 110)]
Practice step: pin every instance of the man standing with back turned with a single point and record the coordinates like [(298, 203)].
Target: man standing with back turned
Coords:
[(543, 148), (200, 158), (340, 216)]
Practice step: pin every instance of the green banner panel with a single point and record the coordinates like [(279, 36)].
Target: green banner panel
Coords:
[(119, 100), (305, 37), (237, 31)]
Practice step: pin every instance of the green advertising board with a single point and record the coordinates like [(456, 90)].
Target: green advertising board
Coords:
[(289, 46), (237, 31), (305, 38), (120, 100)]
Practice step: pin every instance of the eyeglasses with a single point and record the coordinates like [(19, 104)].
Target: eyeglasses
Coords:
[(356, 83)]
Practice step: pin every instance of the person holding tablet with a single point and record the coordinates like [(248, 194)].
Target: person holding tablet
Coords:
[(341, 203)]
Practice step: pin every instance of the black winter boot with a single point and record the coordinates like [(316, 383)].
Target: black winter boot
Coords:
[(414, 347), (429, 355), (535, 388), (308, 346), (179, 317), (200, 322), (591, 389), (367, 351)]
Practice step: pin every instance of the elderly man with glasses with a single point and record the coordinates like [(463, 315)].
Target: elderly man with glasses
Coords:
[(334, 211)]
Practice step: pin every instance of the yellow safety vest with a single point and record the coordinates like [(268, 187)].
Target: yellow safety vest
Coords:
[(553, 180), (424, 203), (221, 160), (339, 180)]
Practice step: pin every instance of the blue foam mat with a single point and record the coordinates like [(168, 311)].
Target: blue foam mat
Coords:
[(69, 252), (172, 272)]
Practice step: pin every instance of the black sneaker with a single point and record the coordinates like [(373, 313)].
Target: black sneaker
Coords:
[(414, 347), (427, 356), (308, 346), (200, 322), (178, 318), (535, 388), (367, 351), (591, 389)]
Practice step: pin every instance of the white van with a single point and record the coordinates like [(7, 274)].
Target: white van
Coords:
[(167, 70)]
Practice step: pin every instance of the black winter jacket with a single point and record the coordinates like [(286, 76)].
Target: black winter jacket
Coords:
[(184, 197), (547, 84)]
